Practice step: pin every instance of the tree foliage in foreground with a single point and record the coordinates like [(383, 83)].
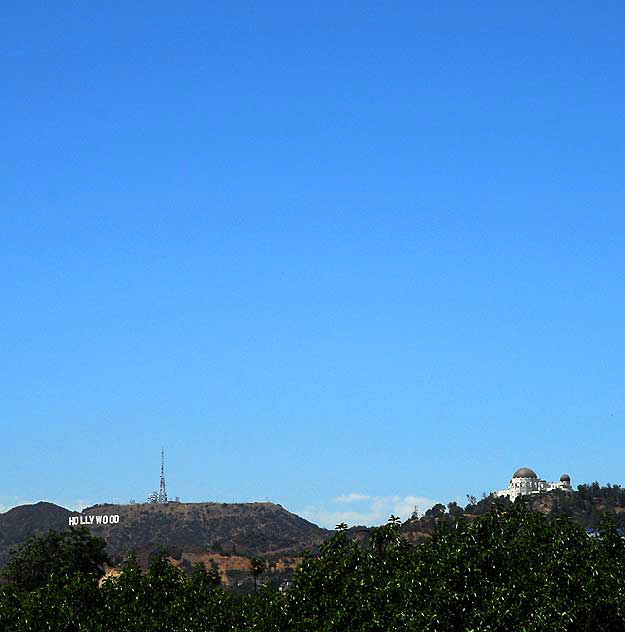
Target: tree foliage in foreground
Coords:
[(509, 570), (58, 554)]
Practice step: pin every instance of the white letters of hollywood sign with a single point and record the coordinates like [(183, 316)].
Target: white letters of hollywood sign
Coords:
[(89, 520)]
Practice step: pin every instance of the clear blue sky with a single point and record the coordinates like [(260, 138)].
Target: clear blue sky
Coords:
[(366, 249)]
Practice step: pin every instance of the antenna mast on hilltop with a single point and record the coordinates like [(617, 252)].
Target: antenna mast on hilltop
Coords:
[(162, 492)]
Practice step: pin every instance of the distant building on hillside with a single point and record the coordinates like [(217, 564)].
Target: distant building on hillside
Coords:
[(525, 482)]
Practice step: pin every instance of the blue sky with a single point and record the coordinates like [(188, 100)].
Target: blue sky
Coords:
[(346, 257)]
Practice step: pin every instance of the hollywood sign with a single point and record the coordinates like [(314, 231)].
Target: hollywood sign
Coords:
[(90, 520)]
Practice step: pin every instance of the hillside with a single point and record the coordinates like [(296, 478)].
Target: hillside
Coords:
[(20, 523), (585, 507), (241, 529), (218, 534)]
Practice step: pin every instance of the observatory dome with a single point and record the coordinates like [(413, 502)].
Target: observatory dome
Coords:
[(565, 478), (524, 472)]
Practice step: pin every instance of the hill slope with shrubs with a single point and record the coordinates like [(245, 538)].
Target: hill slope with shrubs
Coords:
[(585, 507)]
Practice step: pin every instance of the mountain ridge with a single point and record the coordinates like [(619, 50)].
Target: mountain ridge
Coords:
[(182, 530)]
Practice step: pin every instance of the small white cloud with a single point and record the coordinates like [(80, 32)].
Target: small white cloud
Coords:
[(350, 498), (376, 510), (77, 505), (404, 506), (329, 519)]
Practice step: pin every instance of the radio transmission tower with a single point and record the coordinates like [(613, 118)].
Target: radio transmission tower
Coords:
[(162, 492)]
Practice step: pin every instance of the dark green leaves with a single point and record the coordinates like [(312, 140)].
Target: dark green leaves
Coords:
[(510, 569)]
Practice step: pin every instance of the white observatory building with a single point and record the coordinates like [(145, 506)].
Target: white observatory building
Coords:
[(525, 481)]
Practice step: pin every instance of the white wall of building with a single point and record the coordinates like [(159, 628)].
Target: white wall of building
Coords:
[(526, 485)]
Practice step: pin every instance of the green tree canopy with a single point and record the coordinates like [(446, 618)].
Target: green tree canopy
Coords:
[(58, 554), (511, 569)]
